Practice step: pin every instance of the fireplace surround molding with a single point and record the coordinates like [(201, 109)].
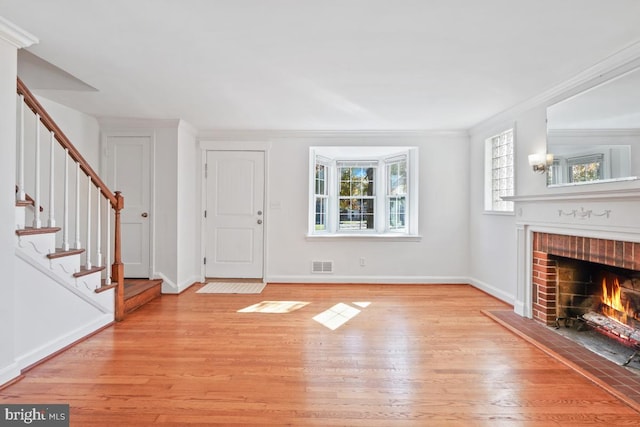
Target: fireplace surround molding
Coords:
[(604, 215)]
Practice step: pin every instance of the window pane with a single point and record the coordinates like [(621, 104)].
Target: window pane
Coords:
[(397, 209), (501, 173), (356, 214), (321, 213), (320, 184)]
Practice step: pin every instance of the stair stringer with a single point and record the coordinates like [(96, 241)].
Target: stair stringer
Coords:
[(52, 315), (83, 287)]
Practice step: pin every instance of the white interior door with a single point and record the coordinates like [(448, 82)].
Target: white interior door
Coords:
[(235, 214), (128, 172)]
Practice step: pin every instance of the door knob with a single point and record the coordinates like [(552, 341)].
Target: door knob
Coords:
[(144, 215), (259, 221)]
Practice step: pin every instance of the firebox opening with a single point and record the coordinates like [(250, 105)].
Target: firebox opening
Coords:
[(599, 298)]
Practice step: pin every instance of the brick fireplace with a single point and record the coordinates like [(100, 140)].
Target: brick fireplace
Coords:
[(547, 272)]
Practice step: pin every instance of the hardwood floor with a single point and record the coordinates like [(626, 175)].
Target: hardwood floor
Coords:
[(415, 356)]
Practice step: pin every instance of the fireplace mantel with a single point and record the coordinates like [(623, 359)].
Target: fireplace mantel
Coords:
[(619, 194), (611, 215)]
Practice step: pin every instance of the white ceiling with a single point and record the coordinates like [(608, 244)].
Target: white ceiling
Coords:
[(317, 65)]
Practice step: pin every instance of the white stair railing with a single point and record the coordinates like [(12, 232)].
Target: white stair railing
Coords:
[(84, 212)]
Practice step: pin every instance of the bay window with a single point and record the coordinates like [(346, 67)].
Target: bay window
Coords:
[(363, 191)]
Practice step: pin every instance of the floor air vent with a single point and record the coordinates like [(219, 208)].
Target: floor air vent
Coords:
[(322, 266)]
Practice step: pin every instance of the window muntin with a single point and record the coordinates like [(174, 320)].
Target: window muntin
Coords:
[(500, 176)]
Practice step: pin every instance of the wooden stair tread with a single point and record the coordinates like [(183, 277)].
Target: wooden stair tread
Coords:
[(104, 287), (138, 292), (133, 287), (85, 271), (59, 253), (42, 230)]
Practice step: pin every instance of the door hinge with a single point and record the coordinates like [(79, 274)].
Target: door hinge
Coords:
[(205, 260), (206, 169), (205, 214)]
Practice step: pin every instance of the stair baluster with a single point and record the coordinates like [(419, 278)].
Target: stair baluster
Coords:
[(77, 243), (65, 207), (98, 232), (21, 192), (52, 214), (37, 222), (88, 253), (108, 273)]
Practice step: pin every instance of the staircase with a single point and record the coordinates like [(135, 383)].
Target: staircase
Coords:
[(69, 269)]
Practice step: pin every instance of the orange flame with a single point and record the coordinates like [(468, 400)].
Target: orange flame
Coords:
[(611, 299)]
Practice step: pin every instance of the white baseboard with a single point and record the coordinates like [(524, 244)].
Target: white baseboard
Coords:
[(330, 278), (9, 373), (170, 287), (61, 342), (491, 290)]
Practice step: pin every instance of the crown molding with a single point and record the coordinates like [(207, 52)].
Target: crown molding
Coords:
[(115, 123), (588, 133), (254, 134), (615, 64), (15, 35)]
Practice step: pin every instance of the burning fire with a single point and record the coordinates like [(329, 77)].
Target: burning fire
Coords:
[(612, 303)]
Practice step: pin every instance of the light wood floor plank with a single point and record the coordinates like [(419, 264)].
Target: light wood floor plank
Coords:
[(415, 356)]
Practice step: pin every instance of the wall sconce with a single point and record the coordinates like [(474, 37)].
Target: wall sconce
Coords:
[(540, 162)]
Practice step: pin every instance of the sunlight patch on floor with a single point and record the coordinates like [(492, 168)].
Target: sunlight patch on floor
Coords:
[(362, 304), (274, 307), (336, 316)]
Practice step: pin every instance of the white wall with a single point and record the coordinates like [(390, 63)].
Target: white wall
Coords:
[(189, 213), (8, 69), (441, 255), (165, 210), (493, 237), (82, 130)]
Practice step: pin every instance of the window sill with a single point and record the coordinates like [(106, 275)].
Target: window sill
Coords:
[(347, 236), (500, 213)]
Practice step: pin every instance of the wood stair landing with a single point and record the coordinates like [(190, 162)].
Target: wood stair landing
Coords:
[(138, 292)]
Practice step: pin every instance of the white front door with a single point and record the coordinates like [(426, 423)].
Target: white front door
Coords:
[(235, 214), (128, 172)]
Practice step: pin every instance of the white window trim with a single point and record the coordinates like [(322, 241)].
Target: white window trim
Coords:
[(358, 153), (488, 188)]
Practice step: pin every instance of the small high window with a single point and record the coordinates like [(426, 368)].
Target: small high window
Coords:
[(499, 174)]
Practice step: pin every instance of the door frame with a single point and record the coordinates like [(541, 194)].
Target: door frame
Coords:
[(105, 135), (229, 145)]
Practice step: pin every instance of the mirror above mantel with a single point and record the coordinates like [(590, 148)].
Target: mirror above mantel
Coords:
[(594, 136)]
